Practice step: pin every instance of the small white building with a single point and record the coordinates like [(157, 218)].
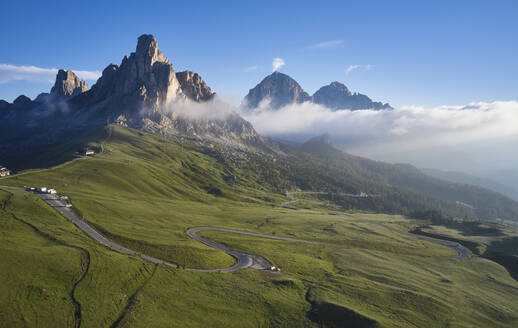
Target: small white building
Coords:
[(87, 152), (43, 189), (4, 171)]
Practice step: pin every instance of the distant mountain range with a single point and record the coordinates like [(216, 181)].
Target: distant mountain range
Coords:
[(508, 189), (280, 90), (145, 93)]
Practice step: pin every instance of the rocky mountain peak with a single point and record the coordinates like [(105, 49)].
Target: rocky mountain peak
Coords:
[(147, 51), (194, 87), (143, 92), (337, 96), (68, 84), (144, 80), (279, 88), (3, 105), (282, 90), (22, 102), (340, 87)]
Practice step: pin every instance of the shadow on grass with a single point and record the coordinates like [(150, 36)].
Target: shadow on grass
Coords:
[(331, 315)]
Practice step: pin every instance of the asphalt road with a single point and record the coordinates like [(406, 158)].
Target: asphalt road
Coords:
[(243, 260), (60, 206), (461, 251)]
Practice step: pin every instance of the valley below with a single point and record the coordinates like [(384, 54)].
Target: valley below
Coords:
[(151, 195), (147, 200)]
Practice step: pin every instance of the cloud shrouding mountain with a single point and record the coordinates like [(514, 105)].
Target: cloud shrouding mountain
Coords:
[(214, 109), (37, 74), (277, 63), (450, 137)]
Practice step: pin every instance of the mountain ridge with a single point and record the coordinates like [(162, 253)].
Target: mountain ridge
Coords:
[(337, 96), (278, 90), (143, 92)]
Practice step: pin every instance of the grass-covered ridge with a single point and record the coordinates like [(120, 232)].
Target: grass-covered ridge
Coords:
[(187, 168), (144, 191)]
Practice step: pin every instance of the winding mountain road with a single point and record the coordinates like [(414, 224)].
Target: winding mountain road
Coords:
[(243, 260), (461, 251)]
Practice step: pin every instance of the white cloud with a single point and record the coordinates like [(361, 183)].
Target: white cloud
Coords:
[(277, 63), (328, 44), (250, 69), (37, 74), (351, 68), (88, 75), (214, 109), (447, 137)]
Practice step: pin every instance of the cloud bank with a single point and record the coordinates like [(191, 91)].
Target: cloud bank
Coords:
[(214, 109), (37, 74), (277, 63), (447, 137)]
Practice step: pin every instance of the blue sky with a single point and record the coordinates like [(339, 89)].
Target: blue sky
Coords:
[(406, 52)]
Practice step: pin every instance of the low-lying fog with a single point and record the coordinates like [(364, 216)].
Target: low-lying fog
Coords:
[(479, 138)]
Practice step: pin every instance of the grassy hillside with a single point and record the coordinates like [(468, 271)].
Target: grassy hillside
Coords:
[(396, 188), (145, 191), (489, 240), (43, 256), (195, 168)]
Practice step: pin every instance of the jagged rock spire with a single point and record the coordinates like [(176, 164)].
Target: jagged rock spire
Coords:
[(68, 84), (147, 50)]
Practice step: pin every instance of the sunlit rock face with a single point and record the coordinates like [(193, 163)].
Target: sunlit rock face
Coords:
[(277, 88), (68, 85), (194, 87), (143, 92)]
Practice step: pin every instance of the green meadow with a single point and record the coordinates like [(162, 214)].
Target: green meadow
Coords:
[(144, 191)]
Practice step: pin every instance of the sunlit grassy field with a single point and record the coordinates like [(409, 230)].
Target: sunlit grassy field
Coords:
[(145, 192)]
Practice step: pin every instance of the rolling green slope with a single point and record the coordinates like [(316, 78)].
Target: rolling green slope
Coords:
[(397, 188), (145, 191), (43, 256), (189, 169)]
